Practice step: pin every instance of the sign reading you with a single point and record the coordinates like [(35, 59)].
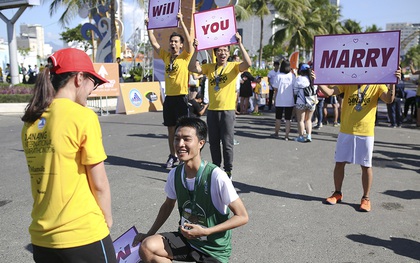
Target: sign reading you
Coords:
[(215, 28), (366, 58)]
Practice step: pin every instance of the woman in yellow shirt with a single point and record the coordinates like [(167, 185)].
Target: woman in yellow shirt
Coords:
[(62, 141)]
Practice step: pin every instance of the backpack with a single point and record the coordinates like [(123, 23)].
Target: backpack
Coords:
[(309, 91)]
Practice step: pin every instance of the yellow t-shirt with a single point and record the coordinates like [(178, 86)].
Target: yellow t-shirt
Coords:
[(223, 97), (176, 73), (57, 147), (359, 122), (257, 89)]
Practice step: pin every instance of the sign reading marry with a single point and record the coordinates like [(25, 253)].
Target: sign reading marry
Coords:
[(163, 13), (366, 58), (124, 252), (215, 28)]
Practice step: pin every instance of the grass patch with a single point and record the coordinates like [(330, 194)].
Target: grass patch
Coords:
[(15, 98)]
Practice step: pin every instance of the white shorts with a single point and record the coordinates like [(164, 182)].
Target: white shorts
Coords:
[(354, 149)]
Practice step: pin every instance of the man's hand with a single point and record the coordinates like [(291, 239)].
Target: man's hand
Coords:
[(138, 238), (192, 231)]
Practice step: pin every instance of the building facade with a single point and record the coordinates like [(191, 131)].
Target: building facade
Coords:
[(410, 35), (32, 37)]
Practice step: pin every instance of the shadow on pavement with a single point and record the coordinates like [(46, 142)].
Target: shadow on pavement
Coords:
[(121, 161), (406, 194), (246, 188), (401, 246)]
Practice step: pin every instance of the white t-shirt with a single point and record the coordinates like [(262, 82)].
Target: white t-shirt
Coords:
[(284, 97), (222, 191), (272, 78)]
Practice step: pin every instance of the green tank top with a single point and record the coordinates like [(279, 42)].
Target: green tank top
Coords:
[(217, 245)]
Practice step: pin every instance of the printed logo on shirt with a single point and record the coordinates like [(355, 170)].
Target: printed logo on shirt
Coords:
[(41, 123)]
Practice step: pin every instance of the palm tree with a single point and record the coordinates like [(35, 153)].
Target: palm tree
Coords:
[(373, 28), (330, 15), (297, 29), (352, 26), (261, 8)]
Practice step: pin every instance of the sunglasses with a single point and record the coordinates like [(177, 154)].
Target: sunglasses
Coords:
[(95, 82)]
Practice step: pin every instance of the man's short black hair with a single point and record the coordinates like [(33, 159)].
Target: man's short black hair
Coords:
[(175, 34), (196, 123)]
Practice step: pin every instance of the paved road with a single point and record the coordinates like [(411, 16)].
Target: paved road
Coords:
[(282, 184)]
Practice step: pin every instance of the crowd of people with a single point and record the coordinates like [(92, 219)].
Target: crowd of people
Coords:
[(66, 158)]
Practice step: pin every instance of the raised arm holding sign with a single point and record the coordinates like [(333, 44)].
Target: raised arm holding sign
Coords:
[(176, 60), (222, 76), (356, 137)]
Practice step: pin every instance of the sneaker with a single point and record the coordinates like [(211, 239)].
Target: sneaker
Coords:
[(336, 124), (286, 138), (274, 135), (170, 163), (300, 139), (308, 138), (235, 142), (335, 198), (365, 205)]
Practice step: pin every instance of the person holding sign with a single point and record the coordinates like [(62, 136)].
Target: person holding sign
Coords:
[(176, 81), (221, 115), (356, 137), (62, 141), (205, 198)]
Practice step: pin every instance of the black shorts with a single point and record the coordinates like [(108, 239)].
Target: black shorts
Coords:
[(287, 113), (330, 100), (182, 250), (101, 251), (174, 107)]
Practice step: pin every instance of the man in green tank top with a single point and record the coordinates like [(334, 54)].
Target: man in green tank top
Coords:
[(205, 196)]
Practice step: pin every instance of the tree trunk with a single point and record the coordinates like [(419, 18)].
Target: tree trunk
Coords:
[(113, 29), (261, 42)]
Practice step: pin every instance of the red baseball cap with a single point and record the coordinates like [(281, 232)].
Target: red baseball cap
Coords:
[(74, 60)]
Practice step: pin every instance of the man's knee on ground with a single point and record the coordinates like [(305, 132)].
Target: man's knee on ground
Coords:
[(150, 246)]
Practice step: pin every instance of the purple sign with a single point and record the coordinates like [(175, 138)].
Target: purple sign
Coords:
[(366, 58), (163, 14), (124, 252), (215, 28)]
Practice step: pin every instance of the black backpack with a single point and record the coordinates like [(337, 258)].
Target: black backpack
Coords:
[(309, 91)]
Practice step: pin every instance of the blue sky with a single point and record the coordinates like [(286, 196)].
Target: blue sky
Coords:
[(366, 12)]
